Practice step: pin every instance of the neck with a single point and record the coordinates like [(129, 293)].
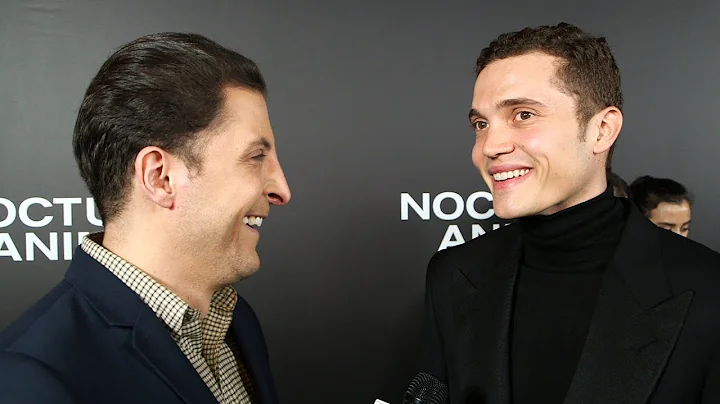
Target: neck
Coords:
[(168, 263), (580, 238)]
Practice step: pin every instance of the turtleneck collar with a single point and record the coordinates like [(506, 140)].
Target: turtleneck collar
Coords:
[(581, 238)]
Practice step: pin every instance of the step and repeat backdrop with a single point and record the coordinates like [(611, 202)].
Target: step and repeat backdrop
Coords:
[(368, 101)]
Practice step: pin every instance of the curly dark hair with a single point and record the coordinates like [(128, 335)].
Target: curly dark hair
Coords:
[(588, 72)]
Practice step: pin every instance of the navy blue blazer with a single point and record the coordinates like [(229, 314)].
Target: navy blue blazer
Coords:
[(92, 340)]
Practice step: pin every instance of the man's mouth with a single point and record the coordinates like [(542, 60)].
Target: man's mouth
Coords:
[(253, 221), (506, 175)]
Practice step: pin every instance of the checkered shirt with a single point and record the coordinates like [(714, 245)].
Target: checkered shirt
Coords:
[(205, 342)]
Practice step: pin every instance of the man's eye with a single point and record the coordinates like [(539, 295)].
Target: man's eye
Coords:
[(479, 125), (523, 115), (259, 157)]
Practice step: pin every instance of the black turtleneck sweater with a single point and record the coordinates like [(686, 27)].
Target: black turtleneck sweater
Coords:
[(564, 258)]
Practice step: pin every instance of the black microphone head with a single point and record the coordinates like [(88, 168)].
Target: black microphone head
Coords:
[(425, 389)]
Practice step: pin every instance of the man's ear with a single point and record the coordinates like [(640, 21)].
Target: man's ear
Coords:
[(609, 122), (152, 174)]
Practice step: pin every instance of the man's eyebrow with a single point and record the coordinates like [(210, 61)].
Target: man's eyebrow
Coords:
[(510, 102), (474, 113), (514, 102), (260, 142)]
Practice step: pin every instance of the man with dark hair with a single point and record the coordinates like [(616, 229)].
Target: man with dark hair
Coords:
[(620, 187), (581, 299), (174, 143), (665, 202)]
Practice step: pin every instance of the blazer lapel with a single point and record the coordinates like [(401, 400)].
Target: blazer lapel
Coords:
[(636, 323), (153, 343), (482, 311), (148, 339)]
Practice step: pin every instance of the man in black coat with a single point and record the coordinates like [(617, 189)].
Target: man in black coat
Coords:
[(582, 300)]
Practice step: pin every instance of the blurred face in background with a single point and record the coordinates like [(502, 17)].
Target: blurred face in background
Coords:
[(675, 217)]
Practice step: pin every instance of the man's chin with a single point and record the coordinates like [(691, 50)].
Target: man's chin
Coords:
[(507, 210), (246, 266), (252, 267), (508, 214)]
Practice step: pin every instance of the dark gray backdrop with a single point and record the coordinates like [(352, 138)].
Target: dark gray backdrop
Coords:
[(368, 100)]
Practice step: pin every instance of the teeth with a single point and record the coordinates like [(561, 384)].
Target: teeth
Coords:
[(253, 220), (510, 174)]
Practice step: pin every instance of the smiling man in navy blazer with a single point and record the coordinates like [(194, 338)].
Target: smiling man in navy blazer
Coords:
[(174, 142)]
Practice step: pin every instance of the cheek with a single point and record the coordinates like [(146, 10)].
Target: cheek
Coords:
[(244, 194), (535, 141), (532, 146), (190, 198), (564, 156)]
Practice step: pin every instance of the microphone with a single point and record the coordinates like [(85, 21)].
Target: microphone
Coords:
[(425, 389)]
